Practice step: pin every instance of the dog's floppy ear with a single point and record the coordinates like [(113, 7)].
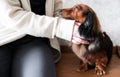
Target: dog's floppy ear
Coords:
[(85, 29), (89, 19)]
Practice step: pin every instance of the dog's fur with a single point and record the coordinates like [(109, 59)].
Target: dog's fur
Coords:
[(99, 52)]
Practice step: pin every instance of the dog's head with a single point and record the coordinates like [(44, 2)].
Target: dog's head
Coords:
[(82, 13)]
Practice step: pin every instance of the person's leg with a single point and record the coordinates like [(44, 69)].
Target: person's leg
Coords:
[(33, 60), (5, 61)]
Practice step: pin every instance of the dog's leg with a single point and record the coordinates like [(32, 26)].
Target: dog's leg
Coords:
[(101, 65), (83, 67), (80, 51)]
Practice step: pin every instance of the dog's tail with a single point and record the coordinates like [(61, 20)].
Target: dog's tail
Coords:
[(117, 48), (108, 46)]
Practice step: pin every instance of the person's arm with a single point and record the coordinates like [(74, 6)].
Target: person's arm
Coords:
[(13, 16)]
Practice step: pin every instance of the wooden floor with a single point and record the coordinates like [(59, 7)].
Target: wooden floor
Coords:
[(68, 64)]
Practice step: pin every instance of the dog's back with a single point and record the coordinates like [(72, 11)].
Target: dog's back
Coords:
[(102, 43)]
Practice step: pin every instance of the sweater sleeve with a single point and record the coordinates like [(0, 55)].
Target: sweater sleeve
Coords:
[(13, 16)]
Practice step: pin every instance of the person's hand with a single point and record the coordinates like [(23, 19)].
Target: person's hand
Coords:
[(76, 38)]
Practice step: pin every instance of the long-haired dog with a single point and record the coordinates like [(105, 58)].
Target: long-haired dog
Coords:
[(98, 52)]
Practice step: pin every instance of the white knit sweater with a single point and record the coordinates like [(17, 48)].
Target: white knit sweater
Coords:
[(17, 20)]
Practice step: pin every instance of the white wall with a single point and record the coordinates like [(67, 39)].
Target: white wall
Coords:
[(108, 12)]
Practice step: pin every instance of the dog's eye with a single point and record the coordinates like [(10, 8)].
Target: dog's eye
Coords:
[(76, 8)]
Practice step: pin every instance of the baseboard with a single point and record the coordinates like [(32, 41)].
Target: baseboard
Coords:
[(67, 49)]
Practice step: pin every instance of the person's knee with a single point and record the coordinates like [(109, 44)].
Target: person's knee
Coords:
[(37, 58)]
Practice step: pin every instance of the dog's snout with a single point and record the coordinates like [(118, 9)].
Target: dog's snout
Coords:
[(61, 11)]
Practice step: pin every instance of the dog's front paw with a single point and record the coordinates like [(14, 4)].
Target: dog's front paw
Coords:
[(99, 71), (83, 68)]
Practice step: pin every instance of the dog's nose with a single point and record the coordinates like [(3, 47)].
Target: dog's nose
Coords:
[(60, 10)]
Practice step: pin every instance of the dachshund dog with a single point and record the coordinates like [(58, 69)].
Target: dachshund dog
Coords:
[(98, 52)]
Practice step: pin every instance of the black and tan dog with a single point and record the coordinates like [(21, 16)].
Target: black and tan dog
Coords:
[(99, 52)]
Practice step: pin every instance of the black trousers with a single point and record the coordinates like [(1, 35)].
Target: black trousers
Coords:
[(27, 57)]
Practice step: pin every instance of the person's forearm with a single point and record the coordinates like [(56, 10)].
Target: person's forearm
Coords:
[(15, 17)]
